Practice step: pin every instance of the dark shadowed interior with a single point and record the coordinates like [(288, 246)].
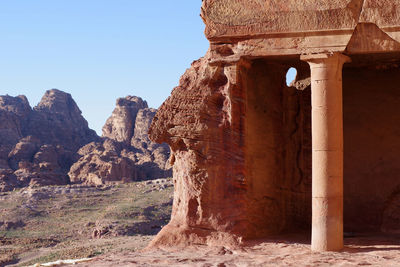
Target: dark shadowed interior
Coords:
[(277, 150), (371, 97), (278, 147)]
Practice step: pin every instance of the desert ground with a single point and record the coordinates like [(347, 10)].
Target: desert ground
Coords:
[(360, 251), (45, 224), (112, 225)]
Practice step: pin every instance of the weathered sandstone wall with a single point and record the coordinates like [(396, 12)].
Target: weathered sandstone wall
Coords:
[(240, 141)]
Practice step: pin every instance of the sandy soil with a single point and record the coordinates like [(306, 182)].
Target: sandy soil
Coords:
[(45, 224), (360, 251)]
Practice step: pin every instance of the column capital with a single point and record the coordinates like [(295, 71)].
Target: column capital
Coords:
[(326, 58), (325, 66)]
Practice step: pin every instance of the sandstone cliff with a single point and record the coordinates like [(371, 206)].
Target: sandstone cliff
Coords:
[(39, 145), (121, 124), (196, 122), (125, 152)]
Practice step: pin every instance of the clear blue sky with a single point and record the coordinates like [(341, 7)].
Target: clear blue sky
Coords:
[(98, 50)]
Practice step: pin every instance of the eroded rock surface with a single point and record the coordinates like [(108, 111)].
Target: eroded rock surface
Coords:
[(39, 145), (236, 174), (125, 153), (121, 124), (58, 119), (14, 112)]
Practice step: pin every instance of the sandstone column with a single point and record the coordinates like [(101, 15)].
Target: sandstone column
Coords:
[(327, 150)]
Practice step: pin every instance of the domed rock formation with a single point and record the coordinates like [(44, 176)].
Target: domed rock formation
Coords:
[(125, 152), (39, 145)]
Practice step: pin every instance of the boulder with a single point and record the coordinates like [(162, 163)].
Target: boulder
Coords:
[(24, 150), (101, 163), (8, 181)]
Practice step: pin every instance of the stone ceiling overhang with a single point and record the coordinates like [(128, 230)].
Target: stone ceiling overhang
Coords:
[(255, 28)]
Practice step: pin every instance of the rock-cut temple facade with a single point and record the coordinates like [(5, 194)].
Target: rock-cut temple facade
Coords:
[(254, 157)]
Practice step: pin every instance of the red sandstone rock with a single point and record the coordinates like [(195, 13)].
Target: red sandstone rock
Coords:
[(25, 149), (13, 114), (57, 120), (241, 139), (120, 126), (101, 163), (38, 146), (217, 199), (8, 181), (125, 153), (391, 214)]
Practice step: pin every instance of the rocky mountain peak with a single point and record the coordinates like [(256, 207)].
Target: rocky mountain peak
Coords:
[(120, 125), (38, 146), (18, 105), (133, 102), (57, 119), (56, 101), (125, 152)]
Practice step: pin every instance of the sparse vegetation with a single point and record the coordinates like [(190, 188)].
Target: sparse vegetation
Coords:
[(61, 222)]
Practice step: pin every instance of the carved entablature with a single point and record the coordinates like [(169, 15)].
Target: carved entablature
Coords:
[(261, 28)]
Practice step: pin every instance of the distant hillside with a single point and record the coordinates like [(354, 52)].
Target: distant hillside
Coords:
[(39, 145), (125, 152)]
